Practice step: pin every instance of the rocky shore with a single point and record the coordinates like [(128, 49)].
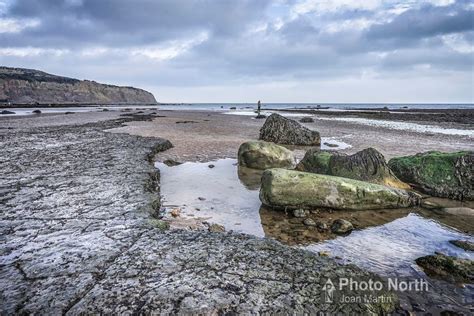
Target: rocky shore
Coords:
[(78, 236)]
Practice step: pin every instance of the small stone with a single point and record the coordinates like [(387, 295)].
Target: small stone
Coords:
[(105, 110), (216, 228), (67, 113), (37, 112), (260, 116), (300, 213), (322, 227), (201, 198), (341, 226), (331, 145), (307, 120), (463, 244), (175, 212), (7, 112), (211, 166), (309, 222), (171, 162), (323, 253)]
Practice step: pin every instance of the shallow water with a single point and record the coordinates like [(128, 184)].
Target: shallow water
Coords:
[(389, 239), (385, 242), (420, 128)]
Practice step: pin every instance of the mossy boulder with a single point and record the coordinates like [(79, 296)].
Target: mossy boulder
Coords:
[(365, 165), (264, 155), (281, 130), (448, 268), (293, 189), (439, 174)]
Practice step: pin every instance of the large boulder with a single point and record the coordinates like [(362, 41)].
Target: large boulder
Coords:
[(439, 174), (293, 189), (264, 155), (365, 165), (281, 130)]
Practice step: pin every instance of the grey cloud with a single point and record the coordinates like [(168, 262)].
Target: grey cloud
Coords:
[(125, 22), (425, 22)]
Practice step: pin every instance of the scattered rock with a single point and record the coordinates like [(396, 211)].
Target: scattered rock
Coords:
[(185, 122), (172, 163), (260, 116), (264, 155), (300, 213), (105, 110), (293, 189), (36, 112), (365, 165), (281, 130), (201, 198), (211, 166), (67, 113), (322, 227), (160, 224), (175, 212), (307, 119), (341, 226), (331, 145), (5, 112), (309, 222), (447, 268), (216, 228), (463, 244), (439, 174), (233, 108), (323, 253)]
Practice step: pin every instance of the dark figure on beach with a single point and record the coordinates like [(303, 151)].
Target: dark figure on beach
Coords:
[(258, 107)]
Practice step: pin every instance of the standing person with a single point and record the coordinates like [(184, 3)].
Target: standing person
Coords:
[(258, 108)]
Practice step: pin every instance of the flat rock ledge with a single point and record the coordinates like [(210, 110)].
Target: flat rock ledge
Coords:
[(76, 238)]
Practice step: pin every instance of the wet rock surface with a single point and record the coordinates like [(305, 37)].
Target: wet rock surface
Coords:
[(78, 236), (365, 165), (449, 175), (449, 268), (289, 189), (265, 155), (282, 130)]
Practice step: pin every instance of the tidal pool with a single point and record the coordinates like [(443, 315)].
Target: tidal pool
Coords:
[(386, 242), (222, 192)]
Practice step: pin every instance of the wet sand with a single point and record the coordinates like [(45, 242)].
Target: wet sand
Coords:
[(203, 136)]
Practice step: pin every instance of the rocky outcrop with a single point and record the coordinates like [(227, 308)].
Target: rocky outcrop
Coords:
[(447, 268), (281, 130), (365, 165), (463, 244), (439, 174), (27, 86), (264, 155), (293, 189)]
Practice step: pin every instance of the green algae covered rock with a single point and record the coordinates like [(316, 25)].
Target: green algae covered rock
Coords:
[(439, 174), (264, 155), (448, 268), (365, 165), (293, 189)]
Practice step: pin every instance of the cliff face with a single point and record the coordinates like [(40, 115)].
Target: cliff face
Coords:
[(27, 86)]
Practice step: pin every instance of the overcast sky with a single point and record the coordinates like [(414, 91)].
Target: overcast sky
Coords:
[(242, 51)]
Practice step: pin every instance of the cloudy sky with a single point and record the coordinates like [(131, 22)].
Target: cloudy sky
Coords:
[(245, 50)]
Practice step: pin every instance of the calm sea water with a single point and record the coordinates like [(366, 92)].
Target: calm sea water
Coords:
[(340, 106)]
